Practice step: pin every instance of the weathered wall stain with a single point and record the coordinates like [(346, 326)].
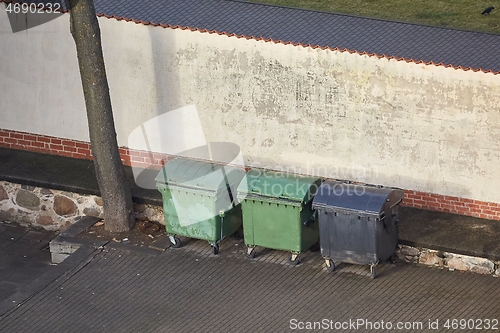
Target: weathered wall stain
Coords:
[(420, 126)]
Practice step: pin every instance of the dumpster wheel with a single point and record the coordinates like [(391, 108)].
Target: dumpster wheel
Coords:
[(373, 271), (293, 259), (215, 248), (250, 252), (175, 241), (330, 265), (392, 259)]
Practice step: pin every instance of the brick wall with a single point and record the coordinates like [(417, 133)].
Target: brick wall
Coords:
[(455, 205), (81, 149), (76, 149)]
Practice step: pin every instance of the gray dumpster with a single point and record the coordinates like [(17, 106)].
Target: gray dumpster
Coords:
[(357, 223)]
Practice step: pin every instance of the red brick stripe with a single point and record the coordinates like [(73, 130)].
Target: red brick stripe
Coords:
[(76, 149), (449, 204), (138, 158)]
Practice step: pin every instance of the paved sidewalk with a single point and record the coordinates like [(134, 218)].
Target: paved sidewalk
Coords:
[(24, 256), (122, 288)]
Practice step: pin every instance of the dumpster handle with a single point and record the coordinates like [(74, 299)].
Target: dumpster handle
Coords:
[(386, 227), (395, 223), (231, 197), (310, 220), (229, 191), (396, 203), (221, 215)]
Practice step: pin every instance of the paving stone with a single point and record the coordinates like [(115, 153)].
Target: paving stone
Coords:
[(161, 243), (23, 257), (12, 235), (35, 235), (5, 242), (23, 243)]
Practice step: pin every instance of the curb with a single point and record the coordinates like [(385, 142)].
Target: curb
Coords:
[(65, 244)]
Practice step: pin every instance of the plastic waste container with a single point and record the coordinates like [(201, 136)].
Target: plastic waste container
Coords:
[(357, 223), (277, 212), (199, 200)]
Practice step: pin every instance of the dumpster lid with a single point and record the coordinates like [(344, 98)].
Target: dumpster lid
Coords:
[(278, 185), (356, 197), (184, 172)]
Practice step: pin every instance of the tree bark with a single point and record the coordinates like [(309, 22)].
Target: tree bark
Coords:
[(115, 190)]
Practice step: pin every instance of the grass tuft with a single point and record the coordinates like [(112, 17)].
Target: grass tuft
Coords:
[(459, 14)]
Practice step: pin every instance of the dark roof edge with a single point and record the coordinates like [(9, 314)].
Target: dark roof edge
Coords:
[(429, 63), (121, 18)]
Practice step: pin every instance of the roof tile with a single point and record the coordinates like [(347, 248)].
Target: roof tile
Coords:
[(411, 42)]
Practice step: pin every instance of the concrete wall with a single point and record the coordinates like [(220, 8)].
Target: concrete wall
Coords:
[(42, 91), (425, 128)]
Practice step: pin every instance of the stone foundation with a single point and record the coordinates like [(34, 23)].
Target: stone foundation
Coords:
[(451, 261), (57, 210)]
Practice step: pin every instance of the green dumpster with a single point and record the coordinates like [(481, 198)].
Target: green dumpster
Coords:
[(277, 212), (198, 200)]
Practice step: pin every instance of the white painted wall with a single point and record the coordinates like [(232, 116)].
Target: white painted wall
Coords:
[(320, 112), (40, 82)]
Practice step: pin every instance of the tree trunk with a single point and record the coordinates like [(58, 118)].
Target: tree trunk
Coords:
[(115, 191)]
